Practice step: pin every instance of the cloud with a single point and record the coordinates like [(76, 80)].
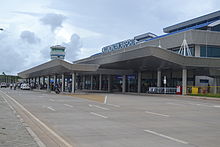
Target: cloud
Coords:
[(73, 47), (27, 13), (29, 37), (11, 58), (53, 20), (22, 50)]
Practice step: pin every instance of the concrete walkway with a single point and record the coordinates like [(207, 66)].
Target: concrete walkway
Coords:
[(13, 133)]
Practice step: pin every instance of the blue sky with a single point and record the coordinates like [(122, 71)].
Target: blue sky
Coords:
[(83, 26)]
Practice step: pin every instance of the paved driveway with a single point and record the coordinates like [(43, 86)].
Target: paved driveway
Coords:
[(125, 120)]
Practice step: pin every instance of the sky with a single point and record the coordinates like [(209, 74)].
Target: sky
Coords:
[(83, 26)]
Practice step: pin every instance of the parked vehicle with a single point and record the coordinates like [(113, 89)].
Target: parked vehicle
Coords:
[(25, 87), (3, 84)]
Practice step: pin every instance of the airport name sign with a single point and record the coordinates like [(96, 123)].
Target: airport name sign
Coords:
[(119, 45)]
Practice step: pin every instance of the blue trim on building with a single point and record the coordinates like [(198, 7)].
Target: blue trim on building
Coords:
[(190, 28)]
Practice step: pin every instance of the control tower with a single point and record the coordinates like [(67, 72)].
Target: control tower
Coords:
[(57, 52)]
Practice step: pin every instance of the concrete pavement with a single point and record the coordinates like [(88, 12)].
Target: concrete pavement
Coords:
[(13, 133), (126, 120)]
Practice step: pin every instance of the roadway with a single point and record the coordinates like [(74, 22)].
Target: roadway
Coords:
[(124, 121)]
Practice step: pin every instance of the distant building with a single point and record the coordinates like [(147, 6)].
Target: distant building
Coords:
[(57, 52)]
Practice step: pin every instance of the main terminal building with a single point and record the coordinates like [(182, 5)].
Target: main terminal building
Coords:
[(188, 54)]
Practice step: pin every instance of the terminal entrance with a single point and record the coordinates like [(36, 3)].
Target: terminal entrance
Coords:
[(131, 83), (117, 83)]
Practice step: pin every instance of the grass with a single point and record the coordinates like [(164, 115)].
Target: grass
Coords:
[(207, 95)]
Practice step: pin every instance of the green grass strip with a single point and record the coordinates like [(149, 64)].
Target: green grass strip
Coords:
[(207, 95)]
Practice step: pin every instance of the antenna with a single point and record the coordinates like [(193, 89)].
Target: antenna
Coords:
[(184, 49)]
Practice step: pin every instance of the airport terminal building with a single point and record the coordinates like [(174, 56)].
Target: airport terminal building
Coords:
[(187, 55)]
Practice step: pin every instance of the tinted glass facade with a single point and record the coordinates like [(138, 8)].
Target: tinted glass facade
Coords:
[(216, 28), (209, 51), (191, 48)]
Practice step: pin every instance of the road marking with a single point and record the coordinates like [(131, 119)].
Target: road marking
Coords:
[(157, 114), (38, 141), (103, 108), (196, 104), (167, 137), (51, 100), (217, 106), (93, 113), (68, 105), (51, 108), (40, 122), (113, 105), (105, 102), (176, 104)]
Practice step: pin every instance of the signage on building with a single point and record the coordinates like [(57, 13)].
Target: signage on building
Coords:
[(119, 45)]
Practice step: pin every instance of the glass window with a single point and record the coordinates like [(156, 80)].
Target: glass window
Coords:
[(191, 48), (216, 28), (203, 51), (209, 51), (61, 50)]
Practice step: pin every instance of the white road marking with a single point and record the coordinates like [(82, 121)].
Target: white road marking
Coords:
[(51, 108), (40, 122), (196, 104), (105, 102), (93, 113), (167, 137), (103, 108), (68, 105), (51, 100), (216, 106), (157, 114), (39, 142), (176, 104), (113, 105)]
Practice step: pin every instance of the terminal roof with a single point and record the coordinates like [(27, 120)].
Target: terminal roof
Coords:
[(196, 21), (55, 67)]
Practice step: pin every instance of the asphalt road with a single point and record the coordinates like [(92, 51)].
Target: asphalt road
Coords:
[(124, 121)]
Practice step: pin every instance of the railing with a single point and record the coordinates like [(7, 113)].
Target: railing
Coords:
[(162, 90)]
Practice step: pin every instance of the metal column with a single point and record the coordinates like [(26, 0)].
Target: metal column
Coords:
[(123, 83), (139, 82), (55, 79), (100, 82), (39, 83), (184, 81), (158, 78), (43, 80), (215, 85), (109, 83), (48, 83), (73, 82), (91, 81), (63, 83)]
